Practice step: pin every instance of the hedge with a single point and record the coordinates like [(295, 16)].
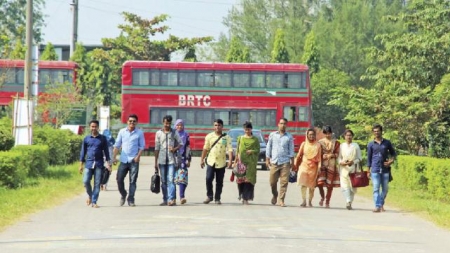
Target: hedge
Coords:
[(38, 157), (431, 175), (13, 169)]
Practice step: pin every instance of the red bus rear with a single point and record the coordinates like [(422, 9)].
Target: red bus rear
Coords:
[(198, 93)]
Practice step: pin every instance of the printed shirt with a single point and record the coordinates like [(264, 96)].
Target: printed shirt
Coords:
[(93, 151), (162, 143), (377, 154), (131, 143), (217, 156), (280, 148)]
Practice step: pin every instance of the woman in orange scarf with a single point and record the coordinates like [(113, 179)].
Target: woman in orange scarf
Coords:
[(308, 162)]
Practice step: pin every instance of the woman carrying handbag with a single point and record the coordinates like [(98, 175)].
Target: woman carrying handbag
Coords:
[(349, 158)]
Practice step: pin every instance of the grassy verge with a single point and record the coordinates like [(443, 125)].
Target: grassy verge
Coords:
[(417, 202), (59, 184)]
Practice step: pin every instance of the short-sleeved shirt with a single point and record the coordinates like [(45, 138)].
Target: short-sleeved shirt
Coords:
[(217, 156)]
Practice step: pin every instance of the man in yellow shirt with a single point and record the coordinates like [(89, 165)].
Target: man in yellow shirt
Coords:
[(217, 145)]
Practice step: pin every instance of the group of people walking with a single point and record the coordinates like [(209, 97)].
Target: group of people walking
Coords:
[(325, 163)]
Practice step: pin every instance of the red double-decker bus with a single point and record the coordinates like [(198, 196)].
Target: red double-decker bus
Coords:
[(50, 72), (198, 93), (12, 76)]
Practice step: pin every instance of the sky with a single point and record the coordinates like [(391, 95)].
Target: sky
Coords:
[(99, 18)]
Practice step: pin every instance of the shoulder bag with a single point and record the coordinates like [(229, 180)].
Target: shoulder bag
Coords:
[(206, 158)]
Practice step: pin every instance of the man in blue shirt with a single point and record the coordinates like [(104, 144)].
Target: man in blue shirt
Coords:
[(380, 156), (131, 141), (280, 160), (93, 149)]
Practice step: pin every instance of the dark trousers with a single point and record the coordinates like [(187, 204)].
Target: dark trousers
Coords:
[(212, 173), (122, 172)]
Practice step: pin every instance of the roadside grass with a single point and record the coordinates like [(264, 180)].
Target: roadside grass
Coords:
[(58, 184), (417, 202)]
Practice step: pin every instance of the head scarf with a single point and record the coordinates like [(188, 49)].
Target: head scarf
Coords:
[(311, 148), (183, 134)]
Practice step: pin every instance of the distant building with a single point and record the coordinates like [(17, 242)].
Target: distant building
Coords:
[(63, 51)]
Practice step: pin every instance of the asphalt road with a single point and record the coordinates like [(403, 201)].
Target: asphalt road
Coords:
[(230, 227)]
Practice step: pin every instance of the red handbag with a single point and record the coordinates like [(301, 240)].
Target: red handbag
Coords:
[(359, 178)]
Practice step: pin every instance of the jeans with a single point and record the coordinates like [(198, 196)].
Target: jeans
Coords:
[(212, 172), (167, 181), (377, 181), (87, 177), (133, 168)]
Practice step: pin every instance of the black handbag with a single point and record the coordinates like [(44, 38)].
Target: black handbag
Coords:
[(155, 185), (105, 176)]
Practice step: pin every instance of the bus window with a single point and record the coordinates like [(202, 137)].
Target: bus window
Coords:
[(204, 117), (241, 79), (275, 80), (7, 76), (188, 116), (20, 76), (289, 113), (223, 115), (303, 82), (154, 77), (187, 78), (270, 118), (205, 79), (257, 80), (303, 113), (222, 79), (61, 76), (169, 78), (294, 81), (141, 77)]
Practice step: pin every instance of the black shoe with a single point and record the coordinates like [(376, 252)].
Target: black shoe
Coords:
[(207, 200), (122, 201)]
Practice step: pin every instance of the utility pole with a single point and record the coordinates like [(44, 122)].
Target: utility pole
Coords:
[(29, 52), (74, 36)]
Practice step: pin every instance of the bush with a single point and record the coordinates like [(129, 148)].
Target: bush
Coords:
[(38, 157), (61, 143), (431, 175), (13, 169), (6, 137)]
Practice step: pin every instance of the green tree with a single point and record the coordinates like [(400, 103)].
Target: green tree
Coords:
[(255, 22), (279, 51), (405, 70), (190, 55), (49, 53), (56, 105), (345, 29), (323, 85), (135, 42), (237, 51), (311, 54), (12, 23), (19, 51)]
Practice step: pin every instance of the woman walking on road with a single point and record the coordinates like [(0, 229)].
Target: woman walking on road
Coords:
[(349, 158), (184, 156), (329, 174), (248, 151), (308, 162)]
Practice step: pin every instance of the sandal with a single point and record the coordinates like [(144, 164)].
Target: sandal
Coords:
[(321, 202)]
